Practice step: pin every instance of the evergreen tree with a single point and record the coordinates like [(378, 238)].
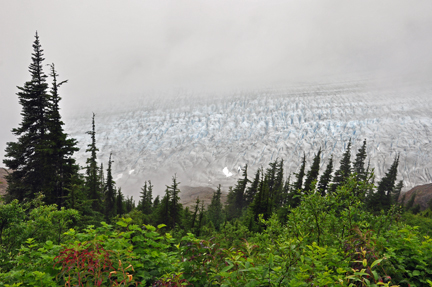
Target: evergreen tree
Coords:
[(236, 196), (93, 175), (344, 171), (215, 209), (156, 203), (252, 189), (240, 189), (359, 163), (110, 196), (325, 179), (262, 204), (383, 196), (170, 209), (313, 173), (294, 197), (129, 204), (146, 198), (175, 206), (42, 158), (61, 165), (163, 211), (271, 176), (285, 191), (200, 220), (298, 185), (119, 202), (194, 215), (278, 185)]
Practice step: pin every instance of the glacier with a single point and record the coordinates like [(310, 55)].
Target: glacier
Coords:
[(205, 139)]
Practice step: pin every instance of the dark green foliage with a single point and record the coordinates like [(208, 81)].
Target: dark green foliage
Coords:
[(236, 197), (276, 192), (195, 214), (326, 178), (129, 204), (163, 211), (42, 156), (262, 204), (396, 192), (383, 196), (285, 192), (252, 190), (156, 203), (215, 213), (120, 203), (175, 206), (170, 210), (94, 176), (61, 165), (313, 173), (27, 156), (145, 204), (359, 163), (295, 194), (298, 184), (344, 170), (110, 195), (199, 224)]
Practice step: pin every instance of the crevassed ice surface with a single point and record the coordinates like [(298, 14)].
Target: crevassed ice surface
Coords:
[(205, 139)]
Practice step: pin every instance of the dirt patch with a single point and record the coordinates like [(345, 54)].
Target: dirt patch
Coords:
[(189, 194)]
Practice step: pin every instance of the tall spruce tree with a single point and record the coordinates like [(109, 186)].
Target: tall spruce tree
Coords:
[(344, 171), (110, 195), (236, 196), (42, 157), (146, 198), (313, 173), (215, 209), (175, 207), (252, 189), (120, 202), (93, 175), (262, 204), (294, 196), (195, 214), (359, 163), (62, 166), (383, 196), (325, 179), (277, 195)]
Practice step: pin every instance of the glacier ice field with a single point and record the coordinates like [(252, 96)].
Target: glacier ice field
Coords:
[(205, 139)]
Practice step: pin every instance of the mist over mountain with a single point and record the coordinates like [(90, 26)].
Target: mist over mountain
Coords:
[(206, 139)]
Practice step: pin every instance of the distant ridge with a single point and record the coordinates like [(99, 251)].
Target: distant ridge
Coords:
[(189, 194), (423, 194)]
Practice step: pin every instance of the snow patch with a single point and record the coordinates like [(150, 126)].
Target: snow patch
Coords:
[(227, 172)]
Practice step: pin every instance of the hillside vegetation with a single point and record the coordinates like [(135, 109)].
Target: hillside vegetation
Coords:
[(63, 227)]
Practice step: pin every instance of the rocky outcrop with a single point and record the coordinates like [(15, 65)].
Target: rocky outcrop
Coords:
[(423, 194)]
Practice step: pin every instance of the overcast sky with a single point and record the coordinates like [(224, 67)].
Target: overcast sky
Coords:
[(121, 49)]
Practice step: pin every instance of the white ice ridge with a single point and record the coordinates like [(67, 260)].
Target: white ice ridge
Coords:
[(227, 172), (194, 138)]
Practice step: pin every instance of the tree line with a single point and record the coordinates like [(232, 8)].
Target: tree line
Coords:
[(42, 161)]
